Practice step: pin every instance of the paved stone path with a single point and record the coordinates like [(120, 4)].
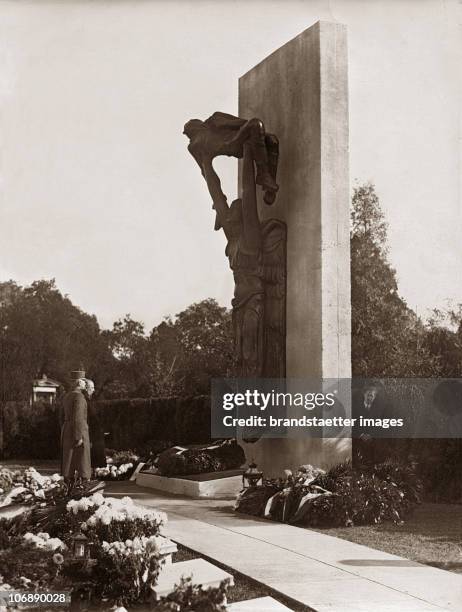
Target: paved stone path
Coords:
[(324, 573)]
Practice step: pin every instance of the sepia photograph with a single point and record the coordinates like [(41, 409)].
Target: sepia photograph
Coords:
[(231, 305)]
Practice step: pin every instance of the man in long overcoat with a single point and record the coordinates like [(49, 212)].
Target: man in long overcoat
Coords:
[(75, 439)]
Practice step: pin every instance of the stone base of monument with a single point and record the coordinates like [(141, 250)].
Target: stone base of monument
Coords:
[(201, 571), (260, 604), (213, 485)]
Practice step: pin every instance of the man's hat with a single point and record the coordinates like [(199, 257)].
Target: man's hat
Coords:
[(76, 374)]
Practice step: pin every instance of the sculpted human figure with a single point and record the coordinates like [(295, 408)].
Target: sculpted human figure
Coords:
[(250, 244), (223, 134)]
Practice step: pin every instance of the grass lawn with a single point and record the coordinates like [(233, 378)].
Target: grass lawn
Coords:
[(433, 535)]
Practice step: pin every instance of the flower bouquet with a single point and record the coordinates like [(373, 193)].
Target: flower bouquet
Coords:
[(120, 465), (32, 562), (281, 499), (110, 519), (7, 479), (127, 571), (179, 461), (118, 457), (31, 487), (115, 472)]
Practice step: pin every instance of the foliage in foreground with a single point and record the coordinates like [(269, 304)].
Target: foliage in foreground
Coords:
[(341, 497), (125, 577), (126, 556)]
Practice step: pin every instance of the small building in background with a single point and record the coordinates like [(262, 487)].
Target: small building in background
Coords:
[(44, 390)]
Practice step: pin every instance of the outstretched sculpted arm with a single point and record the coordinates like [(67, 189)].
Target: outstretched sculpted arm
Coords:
[(195, 153), (220, 203)]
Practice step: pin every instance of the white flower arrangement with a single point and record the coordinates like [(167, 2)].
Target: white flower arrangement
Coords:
[(138, 546), (85, 503), (30, 486), (108, 509), (307, 473), (113, 471), (44, 541)]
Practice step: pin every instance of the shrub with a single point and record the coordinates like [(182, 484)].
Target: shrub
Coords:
[(342, 497), (31, 431), (383, 492), (439, 465), (192, 420), (403, 476), (34, 431), (126, 572), (133, 422), (361, 499), (253, 500), (27, 566)]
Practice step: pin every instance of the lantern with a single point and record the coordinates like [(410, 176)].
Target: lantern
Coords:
[(252, 475), (79, 546)]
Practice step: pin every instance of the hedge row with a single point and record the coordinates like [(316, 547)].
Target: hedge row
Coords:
[(34, 431), (29, 431), (133, 422)]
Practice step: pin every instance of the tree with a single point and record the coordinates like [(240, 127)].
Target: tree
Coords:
[(129, 346), (126, 337), (43, 332), (178, 358), (191, 349), (444, 340), (388, 339)]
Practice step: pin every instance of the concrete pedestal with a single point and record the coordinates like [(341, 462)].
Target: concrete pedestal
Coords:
[(301, 93), (217, 485)]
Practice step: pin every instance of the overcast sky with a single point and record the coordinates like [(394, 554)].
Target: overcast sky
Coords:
[(98, 190)]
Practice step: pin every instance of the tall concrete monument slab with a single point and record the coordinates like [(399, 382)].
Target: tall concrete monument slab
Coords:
[(300, 92)]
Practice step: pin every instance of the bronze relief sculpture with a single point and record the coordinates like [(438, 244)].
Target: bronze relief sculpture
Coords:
[(256, 250)]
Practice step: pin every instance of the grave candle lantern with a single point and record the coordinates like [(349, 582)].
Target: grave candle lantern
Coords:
[(252, 476), (79, 546)]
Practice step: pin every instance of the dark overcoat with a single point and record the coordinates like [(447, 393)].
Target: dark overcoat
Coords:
[(75, 427), (98, 450)]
